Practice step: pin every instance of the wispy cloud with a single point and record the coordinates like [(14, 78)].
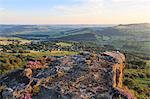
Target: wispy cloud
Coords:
[(2, 9), (129, 0), (81, 7), (74, 11)]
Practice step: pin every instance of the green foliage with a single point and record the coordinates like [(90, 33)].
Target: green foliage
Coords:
[(136, 61), (10, 62), (139, 81), (47, 53), (137, 75), (63, 44)]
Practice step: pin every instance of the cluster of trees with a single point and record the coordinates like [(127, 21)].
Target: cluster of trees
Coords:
[(46, 45), (136, 62), (37, 46)]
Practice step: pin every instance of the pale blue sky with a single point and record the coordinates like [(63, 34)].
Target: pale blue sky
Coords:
[(74, 11)]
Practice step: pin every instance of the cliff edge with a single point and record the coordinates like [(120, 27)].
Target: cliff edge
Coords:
[(82, 76)]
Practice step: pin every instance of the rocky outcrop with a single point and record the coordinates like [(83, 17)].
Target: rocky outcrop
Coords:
[(82, 76), (118, 67)]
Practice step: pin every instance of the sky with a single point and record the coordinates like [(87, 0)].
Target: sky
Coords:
[(74, 11)]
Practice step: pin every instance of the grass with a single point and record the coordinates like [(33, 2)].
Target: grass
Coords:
[(4, 40), (62, 44), (47, 53), (138, 84), (135, 71), (138, 74), (10, 38), (148, 62), (143, 82)]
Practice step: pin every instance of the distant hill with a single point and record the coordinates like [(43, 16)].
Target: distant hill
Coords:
[(134, 25), (135, 37), (79, 37)]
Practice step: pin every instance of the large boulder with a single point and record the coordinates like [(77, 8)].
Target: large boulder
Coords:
[(82, 76)]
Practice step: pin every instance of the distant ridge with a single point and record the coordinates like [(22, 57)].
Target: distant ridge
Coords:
[(79, 37), (135, 24)]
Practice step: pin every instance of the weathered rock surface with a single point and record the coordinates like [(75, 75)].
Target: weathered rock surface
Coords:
[(83, 76)]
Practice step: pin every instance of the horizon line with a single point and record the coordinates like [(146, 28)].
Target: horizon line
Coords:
[(73, 23)]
